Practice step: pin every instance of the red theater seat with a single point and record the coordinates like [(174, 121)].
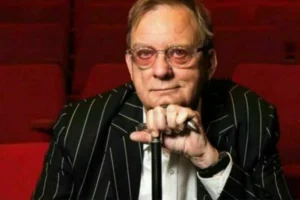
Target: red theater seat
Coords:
[(104, 77), (33, 43), (232, 14), (29, 94), (291, 40), (98, 44), (81, 2), (28, 1), (273, 13), (240, 1), (279, 84), (57, 11), (101, 13), (20, 167), (236, 45), (293, 177)]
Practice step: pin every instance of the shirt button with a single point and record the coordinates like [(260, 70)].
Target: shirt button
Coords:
[(171, 171)]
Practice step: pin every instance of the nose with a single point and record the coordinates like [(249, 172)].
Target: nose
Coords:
[(161, 68)]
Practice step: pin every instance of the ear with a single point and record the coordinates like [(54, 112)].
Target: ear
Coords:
[(129, 64), (212, 63)]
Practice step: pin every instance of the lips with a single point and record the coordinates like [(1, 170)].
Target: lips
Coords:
[(164, 89)]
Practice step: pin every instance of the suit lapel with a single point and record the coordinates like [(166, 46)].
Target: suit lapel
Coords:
[(126, 155), (217, 116)]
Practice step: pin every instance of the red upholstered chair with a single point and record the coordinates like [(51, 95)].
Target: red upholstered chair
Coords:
[(32, 11), (104, 77), (233, 13), (279, 84), (101, 12), (236, 45), (81, 2), (97, 44), (33, 44), (276, 13), (31, 96), (27, 1), (20, 167), (247, 2), (290, 34)]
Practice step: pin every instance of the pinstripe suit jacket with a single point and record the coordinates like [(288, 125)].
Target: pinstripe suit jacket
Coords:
[(92, 157)]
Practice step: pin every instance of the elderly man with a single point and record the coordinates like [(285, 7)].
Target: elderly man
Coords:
[(97, 152)]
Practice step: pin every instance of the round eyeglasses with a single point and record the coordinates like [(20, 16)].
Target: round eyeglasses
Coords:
[(177, 56)]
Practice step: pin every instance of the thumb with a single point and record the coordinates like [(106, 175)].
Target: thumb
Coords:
[(141, 136)]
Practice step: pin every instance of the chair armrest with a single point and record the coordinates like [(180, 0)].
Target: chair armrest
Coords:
[(73, 97), (44, 125)]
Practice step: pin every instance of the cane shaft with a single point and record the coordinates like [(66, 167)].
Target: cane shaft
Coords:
[(156, 169)]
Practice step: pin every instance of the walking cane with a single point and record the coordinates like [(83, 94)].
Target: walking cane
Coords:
[(156, 168), (156, 158)]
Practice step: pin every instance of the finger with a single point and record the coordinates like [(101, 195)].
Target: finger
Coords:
[(190, 144), (150, 120), (160, 119), (155, 134), (171, 116), (141, 136), (176, 128), (183, 115), (174, 144)]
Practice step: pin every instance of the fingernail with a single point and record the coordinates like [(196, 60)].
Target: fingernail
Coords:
[(132, 136), (155, 133)]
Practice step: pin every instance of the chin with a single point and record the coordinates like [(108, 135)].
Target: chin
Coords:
[(167, 101)]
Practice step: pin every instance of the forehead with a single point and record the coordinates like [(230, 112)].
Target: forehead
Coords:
[(166, 26)]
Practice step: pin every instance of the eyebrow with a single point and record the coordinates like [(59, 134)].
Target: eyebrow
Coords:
[(135, 45), (140, 45)]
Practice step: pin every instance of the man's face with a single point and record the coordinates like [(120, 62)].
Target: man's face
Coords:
[(161, 84)]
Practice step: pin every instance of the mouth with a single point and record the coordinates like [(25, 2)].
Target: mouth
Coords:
[(164, 89)]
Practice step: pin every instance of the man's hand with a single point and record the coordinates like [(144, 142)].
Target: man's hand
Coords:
[(172, 121)]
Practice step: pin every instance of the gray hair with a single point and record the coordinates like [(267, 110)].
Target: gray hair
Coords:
[(141, 7)]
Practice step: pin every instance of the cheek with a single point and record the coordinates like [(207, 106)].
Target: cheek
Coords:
[(140, 80), (139, 77), (193, 84), (190, 78)]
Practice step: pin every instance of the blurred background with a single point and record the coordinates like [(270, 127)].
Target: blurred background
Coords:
[(53, 52)]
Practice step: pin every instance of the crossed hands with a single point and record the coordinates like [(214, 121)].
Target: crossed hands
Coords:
[(171, 121)]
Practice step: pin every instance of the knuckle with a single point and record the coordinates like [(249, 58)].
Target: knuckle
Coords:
[(183, 112), (171, 108), (150, 112), (158, 110), (149, 119)]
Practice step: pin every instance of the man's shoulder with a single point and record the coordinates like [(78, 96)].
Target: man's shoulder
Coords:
[(88, 116), (99, 108), (111, 98), (235, 98), (230, 89)]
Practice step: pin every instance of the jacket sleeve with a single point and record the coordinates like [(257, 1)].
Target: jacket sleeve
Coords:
[(266, 178), (55, 181)]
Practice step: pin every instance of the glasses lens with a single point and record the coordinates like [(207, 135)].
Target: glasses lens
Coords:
[(143, 56), (179, 56)]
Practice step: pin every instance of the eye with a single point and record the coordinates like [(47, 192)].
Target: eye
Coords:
[(178, 53), (144, 53)]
